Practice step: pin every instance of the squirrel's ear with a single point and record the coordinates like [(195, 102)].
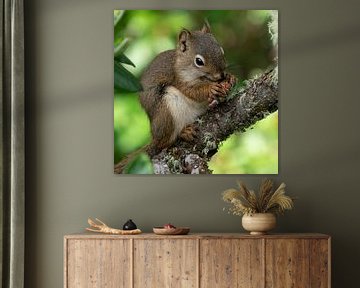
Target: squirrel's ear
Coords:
[(206, 28), (183, 39)]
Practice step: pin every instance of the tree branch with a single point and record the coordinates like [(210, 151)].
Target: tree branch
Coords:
[(244, 108)]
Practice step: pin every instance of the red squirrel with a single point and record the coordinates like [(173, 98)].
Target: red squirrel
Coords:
[(178, 86)]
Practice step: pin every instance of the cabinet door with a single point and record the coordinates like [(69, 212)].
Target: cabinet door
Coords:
[(98, 263), (231, 263), (287, 263), (165, 263), (320, 263)]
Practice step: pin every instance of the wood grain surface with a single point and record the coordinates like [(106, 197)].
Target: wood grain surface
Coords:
[(197, 261), (98, 264), (89, 235), (319, 263), (231, 263), (287, 263), (165, 263)]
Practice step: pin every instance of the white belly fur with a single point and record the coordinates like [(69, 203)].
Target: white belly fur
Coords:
[(183, 110)]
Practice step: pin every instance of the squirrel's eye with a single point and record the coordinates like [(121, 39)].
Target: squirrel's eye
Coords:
[(199, 61)]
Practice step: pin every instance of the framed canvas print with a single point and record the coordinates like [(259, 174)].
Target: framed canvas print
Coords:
[(195, 92)]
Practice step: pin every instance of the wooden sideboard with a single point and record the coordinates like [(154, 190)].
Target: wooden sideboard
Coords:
[(197, 260)]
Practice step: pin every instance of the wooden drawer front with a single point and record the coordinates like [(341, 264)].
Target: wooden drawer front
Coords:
[(297, 263), (231, 263), (287, 263), (98, 263), (165, 263)]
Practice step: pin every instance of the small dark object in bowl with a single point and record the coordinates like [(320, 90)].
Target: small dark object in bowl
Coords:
[(129, 225)]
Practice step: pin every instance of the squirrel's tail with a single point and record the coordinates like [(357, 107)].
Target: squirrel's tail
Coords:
[(119, 167)]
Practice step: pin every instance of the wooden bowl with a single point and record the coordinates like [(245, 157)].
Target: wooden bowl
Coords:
[(171, 231)]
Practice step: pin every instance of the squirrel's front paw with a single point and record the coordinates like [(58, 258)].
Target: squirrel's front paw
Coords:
[(216, 94), (229, 82), (188, 133)]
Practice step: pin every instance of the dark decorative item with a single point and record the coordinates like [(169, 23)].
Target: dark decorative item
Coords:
[(129, 225)]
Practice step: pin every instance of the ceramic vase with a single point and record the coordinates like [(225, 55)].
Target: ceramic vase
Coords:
[(259, 223)]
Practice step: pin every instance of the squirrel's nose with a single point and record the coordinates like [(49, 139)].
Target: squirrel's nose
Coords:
[(219, 76)]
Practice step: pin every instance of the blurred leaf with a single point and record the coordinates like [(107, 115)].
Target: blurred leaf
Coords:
[(123, 59), (124, 81), (121, 47), (117, 16), (131, 125), (252, 152), (141, 165)]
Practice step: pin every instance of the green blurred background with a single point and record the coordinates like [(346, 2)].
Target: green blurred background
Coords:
[(244, 35)]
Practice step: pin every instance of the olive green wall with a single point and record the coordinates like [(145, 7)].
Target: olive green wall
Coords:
[(70, 132)]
